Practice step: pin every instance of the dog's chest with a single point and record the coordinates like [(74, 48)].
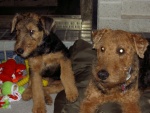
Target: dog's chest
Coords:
[(51, 71), (120, 96), (46, 66)]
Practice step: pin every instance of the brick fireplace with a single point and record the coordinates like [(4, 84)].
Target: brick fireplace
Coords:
[(129, 15)]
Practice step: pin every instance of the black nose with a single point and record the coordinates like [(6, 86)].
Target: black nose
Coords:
[(103, 74), (20, 51)]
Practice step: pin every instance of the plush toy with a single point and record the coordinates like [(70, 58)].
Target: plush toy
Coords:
[(10, 92), (11, 71), (4, 102), (11, 88)]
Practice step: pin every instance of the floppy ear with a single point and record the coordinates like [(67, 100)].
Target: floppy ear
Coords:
[(48, 24), (15, 19), (140, 45), (96, 36)]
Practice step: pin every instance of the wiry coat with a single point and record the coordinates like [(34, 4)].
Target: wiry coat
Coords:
[(116, 71), (47, 56)]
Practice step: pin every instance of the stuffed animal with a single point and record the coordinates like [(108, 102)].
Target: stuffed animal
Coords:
[(10, 92), (11, 88), (4, 102), (11, 71)]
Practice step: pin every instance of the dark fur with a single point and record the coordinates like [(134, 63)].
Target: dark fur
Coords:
[(144, 79), (48, 58), (50, 44)]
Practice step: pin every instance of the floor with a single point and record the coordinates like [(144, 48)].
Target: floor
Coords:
[(26, 107)]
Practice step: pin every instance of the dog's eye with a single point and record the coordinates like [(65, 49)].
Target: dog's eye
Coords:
[(31, 32), (120, 51), (102, 49)]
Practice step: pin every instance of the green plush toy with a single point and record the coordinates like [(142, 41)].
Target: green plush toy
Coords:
[(11, 88), (10, 92)]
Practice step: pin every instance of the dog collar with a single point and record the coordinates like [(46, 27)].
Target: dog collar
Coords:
[(123, 86), (129, 74)]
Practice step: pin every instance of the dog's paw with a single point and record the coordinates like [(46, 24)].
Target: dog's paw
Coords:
[(48, 100), (72, 95), (39, 108), (27, 94)]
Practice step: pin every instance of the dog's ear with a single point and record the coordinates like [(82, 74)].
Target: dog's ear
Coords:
[(140, 44), (97, 35), (47, 24), (15, 19)]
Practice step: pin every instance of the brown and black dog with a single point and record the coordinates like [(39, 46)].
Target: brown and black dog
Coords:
[(116, 71), (48, 57)]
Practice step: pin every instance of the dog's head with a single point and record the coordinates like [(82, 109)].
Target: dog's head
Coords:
[(117, 56), (30, 30)]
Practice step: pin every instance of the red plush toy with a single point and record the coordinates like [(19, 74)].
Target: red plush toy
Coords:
[(11, 71)]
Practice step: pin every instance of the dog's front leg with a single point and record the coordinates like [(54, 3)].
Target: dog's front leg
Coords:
[(89, 105), (68, 80), (27, 94), (37, 94), (131, 107), (36, 85)]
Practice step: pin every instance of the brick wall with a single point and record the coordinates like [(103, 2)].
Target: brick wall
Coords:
[(129, 15)]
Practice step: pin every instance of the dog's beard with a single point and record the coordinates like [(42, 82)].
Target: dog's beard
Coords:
[(24, 55), (108, 85), (105, 86)]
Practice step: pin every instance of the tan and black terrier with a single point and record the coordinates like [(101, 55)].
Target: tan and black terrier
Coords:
[(48, 57), (116, 71)]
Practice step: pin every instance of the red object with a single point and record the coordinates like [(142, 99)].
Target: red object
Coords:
[(1, 102), (14, 97), (11, 71)]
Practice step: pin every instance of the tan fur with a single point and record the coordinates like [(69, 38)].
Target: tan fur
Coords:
[(35, 90), (108, 44)]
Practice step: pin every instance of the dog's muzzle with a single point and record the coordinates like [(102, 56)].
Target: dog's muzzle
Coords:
[(103, 74)]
